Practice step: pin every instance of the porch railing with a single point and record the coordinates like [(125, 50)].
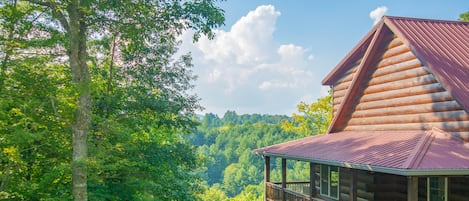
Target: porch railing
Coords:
[(295, 191)]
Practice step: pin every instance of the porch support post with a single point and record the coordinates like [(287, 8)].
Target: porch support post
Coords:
[(266, 176), (412, 188), (353, 185), (312, 180), (284, 178)]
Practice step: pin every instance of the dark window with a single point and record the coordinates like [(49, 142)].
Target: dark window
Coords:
[(330, 181), (436, 188)]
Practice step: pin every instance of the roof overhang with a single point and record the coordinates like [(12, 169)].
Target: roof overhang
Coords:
[(406, 153), (372, 168)]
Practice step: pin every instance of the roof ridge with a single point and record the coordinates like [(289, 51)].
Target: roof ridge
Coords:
[(424, 19), (420, 150), (438, 131)]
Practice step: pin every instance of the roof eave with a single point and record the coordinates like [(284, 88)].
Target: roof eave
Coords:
[(372, 168)]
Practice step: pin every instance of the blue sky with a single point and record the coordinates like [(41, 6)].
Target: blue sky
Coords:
[(272, 54)]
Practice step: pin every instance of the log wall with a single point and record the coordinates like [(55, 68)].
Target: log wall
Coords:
[(364, 185), (341, 86), (401, 94), (364, 180), (344, 184), (457, 188), (389, 187)]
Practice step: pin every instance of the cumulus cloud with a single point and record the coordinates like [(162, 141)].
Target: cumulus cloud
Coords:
[(246, 70), (378, 13)]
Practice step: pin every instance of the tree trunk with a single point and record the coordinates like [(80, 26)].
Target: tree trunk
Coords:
[(81, 79), (8, 51)]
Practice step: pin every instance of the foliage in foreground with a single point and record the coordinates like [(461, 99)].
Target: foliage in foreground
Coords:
[(127, 91)]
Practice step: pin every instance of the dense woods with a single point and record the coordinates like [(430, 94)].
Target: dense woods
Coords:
[(226, 145)]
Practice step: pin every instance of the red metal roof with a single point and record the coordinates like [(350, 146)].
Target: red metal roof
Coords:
[(397, 152)]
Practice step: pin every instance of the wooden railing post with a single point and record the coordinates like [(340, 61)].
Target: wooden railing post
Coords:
[(284, 178), (266, 176), (312, 180)]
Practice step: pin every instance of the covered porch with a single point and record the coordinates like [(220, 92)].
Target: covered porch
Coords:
[(328, 183), (289, 190), (354, 166), (299, 191)]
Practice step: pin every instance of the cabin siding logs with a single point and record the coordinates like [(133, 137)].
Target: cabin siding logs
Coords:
[(401, 94)]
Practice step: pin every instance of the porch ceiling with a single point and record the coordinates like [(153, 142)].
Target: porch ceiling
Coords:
[(431, 152)]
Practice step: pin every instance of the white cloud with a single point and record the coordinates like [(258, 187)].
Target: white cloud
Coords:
[(378, 13), (246, 70), (247, 40)]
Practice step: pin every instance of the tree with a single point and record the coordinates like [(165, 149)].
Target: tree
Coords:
[(313, 119), (464, 17), (133, 26)]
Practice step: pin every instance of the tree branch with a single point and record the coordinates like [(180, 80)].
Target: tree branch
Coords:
[(55, 12)]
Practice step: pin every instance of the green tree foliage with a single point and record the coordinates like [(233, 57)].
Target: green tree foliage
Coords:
[(213, 194), (35, 102), (232, 171), (312, 119), (226, 144), (464, 17), (104, 71), (35, 146), (250, 192)]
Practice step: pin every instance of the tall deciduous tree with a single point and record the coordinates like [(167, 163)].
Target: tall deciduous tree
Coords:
[(137, 25), (312, 119)]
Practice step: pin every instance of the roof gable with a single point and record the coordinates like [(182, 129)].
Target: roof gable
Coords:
[(441, 46), (370, 55)]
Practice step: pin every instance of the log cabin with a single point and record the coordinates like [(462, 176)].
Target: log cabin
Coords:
[(400, 127)]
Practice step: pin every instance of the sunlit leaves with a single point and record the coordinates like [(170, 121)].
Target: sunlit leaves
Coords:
[(464, 16), (312, 119)]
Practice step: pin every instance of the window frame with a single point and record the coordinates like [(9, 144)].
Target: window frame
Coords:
[(445, 190), (328, 181)]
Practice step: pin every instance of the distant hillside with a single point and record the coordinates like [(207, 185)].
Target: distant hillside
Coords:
[(226, 145)]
